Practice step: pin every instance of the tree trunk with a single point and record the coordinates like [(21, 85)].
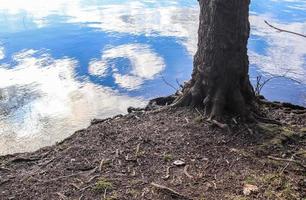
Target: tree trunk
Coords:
[(220, 73)]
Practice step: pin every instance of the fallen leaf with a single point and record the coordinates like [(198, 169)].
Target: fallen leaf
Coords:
[(249, 189)]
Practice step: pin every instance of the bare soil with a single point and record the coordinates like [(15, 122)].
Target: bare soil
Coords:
[(133, 156)]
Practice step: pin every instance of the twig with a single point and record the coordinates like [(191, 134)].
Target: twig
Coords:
[(169, 84), (283, 30), (101, 164), (167, 174), (5, 181), (92, 178), (287, 160), (84, 188), (105, 192), (186, 172), (200, 113), (62, 196), (75, 186), (21, 159), (268, 121), (260, 84), (187, 120), (170, 191), (81, 197), (180, 85), (72, 175), (5, 169), (137, 150), (219, 124)]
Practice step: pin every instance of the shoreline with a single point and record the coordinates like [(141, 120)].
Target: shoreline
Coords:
[(164, 153)]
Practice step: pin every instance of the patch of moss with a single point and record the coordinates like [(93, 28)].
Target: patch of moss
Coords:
[(199, 119), (250, 180), (134, 193), (277, 135), (278, 185), (167, 157), (275, 185), (202, 197), (102, 185)]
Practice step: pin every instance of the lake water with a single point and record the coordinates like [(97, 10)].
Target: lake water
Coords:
[(63, 63)]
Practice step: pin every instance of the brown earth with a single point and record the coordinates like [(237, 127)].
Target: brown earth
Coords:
[(133, 156)]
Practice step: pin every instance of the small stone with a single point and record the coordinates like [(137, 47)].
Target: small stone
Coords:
[(179, 163), (249, 189)]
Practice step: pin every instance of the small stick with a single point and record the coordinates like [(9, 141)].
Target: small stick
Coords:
[(186, 172), (169, 191), (62, 196), (137, 150), (187, 120), (104, 195), (75, 186), (81, 197), (5, 169), (167, 174), (101, 164), (5, 181), (84, 188), (92, 178), (21, 159), (219, 124)]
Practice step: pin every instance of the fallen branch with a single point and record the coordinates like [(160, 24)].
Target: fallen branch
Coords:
[(170, 191), (283, 30), (288, 160)]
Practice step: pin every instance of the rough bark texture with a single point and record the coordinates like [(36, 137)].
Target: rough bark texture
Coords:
[(220, 76)]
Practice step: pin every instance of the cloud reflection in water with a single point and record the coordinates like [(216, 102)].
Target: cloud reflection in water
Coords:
[(145, 65), (2, 55), (285, 53), (60, 101)]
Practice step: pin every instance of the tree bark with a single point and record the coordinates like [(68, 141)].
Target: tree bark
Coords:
[(220, 78)]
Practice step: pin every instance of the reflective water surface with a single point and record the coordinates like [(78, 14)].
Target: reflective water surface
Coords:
[(63, 63)]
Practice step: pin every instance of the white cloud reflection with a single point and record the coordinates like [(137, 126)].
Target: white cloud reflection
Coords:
[(285, 53), (2, 55), (145, 64), (142, 17), (41, 99)]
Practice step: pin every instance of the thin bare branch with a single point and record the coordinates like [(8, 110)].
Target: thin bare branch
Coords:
[(169, 84), (283, 30)]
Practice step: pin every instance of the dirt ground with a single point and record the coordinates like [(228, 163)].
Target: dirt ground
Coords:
[(173, 153)]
